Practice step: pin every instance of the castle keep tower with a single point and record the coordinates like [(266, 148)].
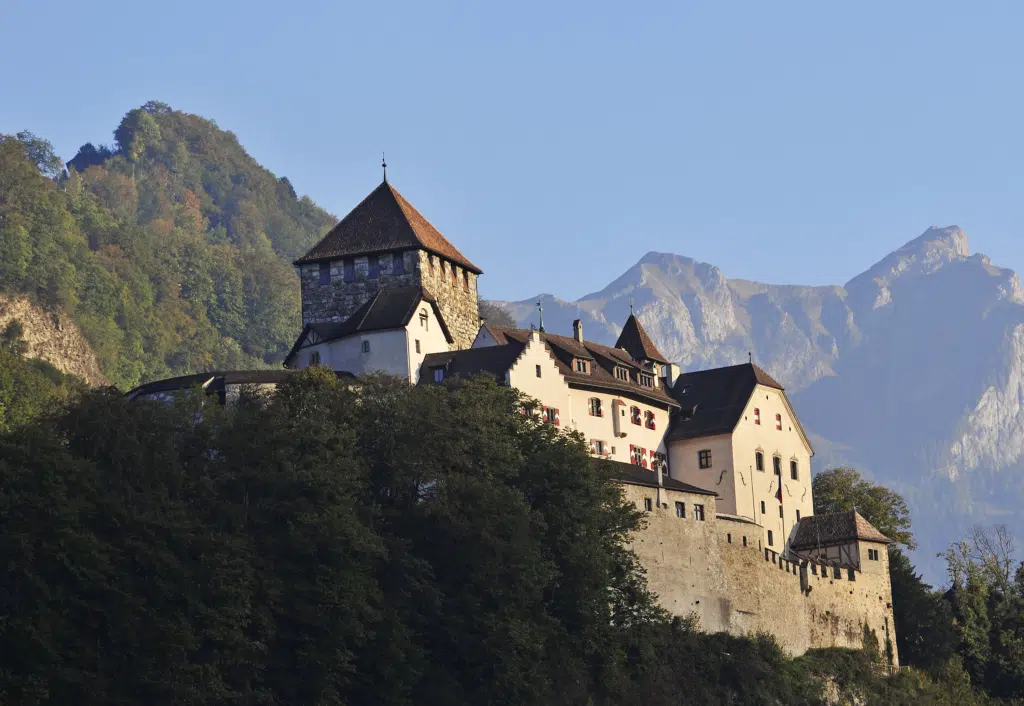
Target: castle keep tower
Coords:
[(384, 243)]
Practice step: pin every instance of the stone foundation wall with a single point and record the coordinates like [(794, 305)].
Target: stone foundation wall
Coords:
[(695, 568)]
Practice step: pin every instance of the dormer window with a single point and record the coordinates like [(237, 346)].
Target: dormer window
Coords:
[(621, 373), (581, 366), (595, 407), (646, 379), (438, 374)]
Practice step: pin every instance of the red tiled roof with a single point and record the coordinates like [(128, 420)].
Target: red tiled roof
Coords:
[(635, 340), (384, 221), (835, 528)]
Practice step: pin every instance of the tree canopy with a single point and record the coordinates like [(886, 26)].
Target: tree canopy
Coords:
[(840, 489)]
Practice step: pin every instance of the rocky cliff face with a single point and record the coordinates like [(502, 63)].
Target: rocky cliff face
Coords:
[(913, 371), (53, 338)]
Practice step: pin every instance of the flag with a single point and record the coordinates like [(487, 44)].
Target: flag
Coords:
[(778, 495)]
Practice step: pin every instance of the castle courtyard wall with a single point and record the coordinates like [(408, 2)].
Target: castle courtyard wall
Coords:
[(693, 567)]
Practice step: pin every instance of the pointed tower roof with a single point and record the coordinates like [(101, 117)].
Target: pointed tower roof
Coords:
[(384, 221), (637, 343)]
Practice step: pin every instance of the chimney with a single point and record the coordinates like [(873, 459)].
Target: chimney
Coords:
[(577, 330), (671, 374)]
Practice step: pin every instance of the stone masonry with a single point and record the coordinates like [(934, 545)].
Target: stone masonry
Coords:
[(454, 288)]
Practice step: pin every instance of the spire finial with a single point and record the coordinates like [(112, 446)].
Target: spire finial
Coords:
[(630, 304), (385, 166), (750, 357), (540, 310)]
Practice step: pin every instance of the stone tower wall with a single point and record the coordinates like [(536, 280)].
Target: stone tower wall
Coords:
[(338, 300), (454, 288)]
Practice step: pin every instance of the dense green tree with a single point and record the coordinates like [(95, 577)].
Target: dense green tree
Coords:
[(839, 489), (925, 635)]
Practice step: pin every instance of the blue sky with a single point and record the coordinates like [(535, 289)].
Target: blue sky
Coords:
[(556, 143)]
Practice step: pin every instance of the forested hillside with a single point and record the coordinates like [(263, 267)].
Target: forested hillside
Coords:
[(169, 249)]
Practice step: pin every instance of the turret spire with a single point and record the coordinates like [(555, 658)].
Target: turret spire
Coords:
[(385, 167), (540, 310)]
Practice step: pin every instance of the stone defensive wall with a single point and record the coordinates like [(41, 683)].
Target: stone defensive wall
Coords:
[(719, 570)]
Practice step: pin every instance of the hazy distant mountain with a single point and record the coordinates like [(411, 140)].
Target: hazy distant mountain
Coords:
[(913, 371)]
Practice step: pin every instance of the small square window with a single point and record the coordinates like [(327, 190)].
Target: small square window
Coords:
[(681, 510), (538, 371), (704, 458), (698, 512), (325, 273), (417, 345), (366, 346), (648, 504)]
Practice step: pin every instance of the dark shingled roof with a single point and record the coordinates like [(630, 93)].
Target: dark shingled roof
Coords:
[(834, 528), (384, 221), (635, 475), (602, 369), (635, 340), (216, 381), (493, 360), (390, 308), (713, 400)]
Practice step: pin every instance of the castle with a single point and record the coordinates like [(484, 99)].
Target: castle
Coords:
[(717, 459)]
